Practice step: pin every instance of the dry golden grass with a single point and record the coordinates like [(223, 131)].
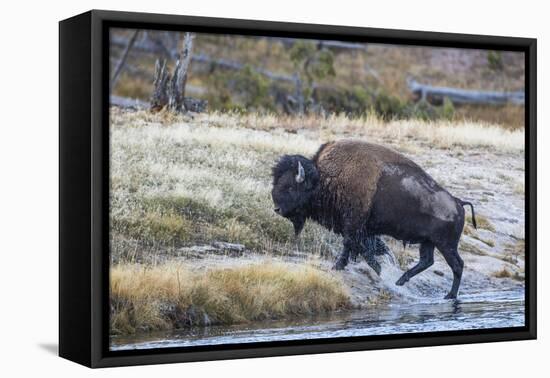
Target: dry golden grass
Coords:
[(503, 273), (465, 246), (470, 231), (489, 242), (519, 188), (516, 274), (442, 134), (172, 296), (509, 116), (514, 252), (482, 222), (384, 296), (404, 259)]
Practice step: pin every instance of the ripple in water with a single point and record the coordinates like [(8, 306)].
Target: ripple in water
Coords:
[(471, 311)]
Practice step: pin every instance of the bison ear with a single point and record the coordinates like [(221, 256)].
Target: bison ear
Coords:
[(301, 176)]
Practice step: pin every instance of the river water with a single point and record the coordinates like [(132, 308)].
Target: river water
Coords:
[(470, 311)]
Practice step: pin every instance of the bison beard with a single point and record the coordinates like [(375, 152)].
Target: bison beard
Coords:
[(360, 191), (298, 221)]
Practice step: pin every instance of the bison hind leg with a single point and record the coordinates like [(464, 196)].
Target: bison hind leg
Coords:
[(426, 260), (457, 264)]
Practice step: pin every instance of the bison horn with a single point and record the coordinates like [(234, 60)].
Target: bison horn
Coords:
[(300, 177)]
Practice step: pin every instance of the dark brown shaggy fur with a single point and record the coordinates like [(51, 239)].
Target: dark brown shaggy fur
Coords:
[(341, 163)]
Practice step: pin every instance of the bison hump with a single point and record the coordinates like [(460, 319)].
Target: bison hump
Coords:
[(350, 169)]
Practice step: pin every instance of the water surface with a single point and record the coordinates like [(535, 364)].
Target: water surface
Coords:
[(470, 311)]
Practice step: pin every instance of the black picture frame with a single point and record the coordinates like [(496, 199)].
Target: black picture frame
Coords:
[(84, 190)]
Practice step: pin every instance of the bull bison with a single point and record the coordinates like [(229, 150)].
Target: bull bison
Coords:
[(361, 190)]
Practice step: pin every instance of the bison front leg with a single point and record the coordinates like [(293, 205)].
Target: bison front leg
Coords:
[(372, 246), (343, 257), (354, 246)]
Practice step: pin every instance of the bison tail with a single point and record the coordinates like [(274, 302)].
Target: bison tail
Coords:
[(473, 212)]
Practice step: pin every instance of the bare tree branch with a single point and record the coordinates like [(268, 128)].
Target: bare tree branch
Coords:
[(122, 61)]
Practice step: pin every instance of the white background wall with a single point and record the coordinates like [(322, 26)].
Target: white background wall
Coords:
[(29, 189)]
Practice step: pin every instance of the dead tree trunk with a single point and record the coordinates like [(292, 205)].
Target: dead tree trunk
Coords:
[(159, 98), (176, 92), (122, 60), (169, 90)]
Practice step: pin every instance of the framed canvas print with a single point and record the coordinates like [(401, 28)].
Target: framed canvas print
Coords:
[(233, 188)]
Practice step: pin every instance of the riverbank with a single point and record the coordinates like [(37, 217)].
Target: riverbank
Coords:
[(173, 296)]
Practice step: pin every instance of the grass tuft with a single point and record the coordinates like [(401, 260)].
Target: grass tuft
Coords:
[(172, 296), (482, 222), (505, 273)]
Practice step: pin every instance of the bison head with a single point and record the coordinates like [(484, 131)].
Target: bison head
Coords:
[(295, 180)]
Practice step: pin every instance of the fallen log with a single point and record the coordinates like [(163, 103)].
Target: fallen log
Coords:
[(435, 95), (191, 104), (331, 45), (128, 103)]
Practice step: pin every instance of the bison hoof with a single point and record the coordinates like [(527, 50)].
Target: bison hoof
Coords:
[(402, 281), (340, 264), (450, 296), (375, 266)]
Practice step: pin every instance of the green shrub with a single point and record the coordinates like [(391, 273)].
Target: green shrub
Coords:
[(301, 51), (245, 90), (448, 110), (252, 88), (388, 106), (425, 111), (494, 60)]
